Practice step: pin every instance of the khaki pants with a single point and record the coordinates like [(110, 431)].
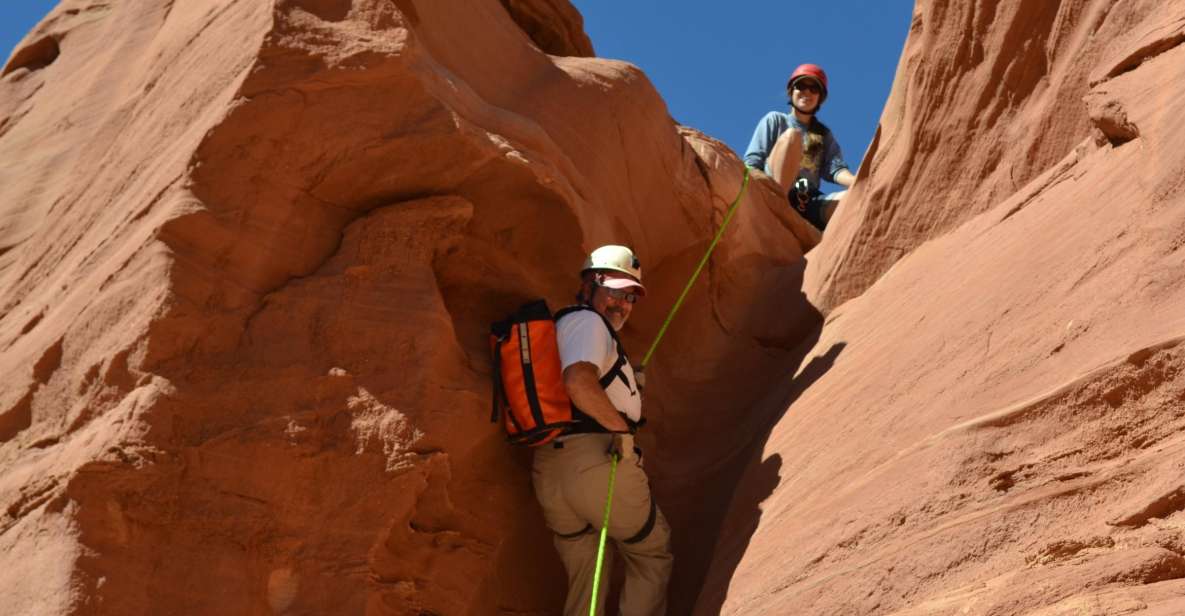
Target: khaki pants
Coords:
[(571, 484)]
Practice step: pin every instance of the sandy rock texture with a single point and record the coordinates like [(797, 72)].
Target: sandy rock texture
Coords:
[(992, 419), (249, 252)]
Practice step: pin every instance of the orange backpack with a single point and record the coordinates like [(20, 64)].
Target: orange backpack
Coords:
[(529, 393)]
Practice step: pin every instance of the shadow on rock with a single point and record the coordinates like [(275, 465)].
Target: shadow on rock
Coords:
[(755, 480), (720, 410)]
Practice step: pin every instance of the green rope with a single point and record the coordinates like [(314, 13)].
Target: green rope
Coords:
[(679, 302), (592, 607)]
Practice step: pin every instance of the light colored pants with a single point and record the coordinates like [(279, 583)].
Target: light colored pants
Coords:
[(571, 484)]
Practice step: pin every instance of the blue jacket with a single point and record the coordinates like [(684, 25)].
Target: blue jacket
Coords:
[(824, 161)]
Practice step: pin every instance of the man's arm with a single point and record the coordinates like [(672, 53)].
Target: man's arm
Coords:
[(845, 178), (584, 388)]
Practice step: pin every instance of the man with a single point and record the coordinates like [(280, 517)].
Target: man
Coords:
[(796, 149), (571, 476)]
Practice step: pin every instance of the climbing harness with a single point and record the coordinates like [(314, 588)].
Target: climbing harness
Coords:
[(592, 606), (679, 302), (802, 194)]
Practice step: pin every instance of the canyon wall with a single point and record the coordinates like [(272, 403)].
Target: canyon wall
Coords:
[(991, 421), (249, 253)]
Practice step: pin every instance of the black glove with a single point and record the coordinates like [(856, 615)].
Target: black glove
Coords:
[(802, 194)]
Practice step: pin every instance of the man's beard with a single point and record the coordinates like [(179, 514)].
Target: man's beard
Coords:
[(616, 318)]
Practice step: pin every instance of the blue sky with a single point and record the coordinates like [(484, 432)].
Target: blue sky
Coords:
[(719, 66)]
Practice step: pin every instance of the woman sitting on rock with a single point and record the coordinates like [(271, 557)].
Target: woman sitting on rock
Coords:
[(796, 149)]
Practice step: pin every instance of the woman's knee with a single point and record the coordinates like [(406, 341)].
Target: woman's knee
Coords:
[(791, 134)]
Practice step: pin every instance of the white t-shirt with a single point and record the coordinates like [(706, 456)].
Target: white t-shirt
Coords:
[(584, 336)]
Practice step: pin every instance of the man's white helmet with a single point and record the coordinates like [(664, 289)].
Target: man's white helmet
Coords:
[(617, 259), (620, 260)]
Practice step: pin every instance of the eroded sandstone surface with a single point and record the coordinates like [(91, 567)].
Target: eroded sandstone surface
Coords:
[(992, 420), (249, 251)]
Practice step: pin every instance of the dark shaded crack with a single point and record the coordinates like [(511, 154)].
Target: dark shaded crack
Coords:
[(32, 323), (31, 497), (556, 27), (152, 202), (49, 363), (19, 417), (1145, 52), (1164, 566), (1161, 508), (7, 123), (1003, 481), (217, 14), (865, 168), (1066, 549), (1059, 176), (253, 500), (700, 165), (35, 56)]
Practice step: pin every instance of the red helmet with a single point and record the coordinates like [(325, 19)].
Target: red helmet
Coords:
[(814, 71)]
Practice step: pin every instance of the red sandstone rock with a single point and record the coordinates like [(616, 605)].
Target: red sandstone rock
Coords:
[(987, 98), (248, 254), (248, 257), (992, 420)]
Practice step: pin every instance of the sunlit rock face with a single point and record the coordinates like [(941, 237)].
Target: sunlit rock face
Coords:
[(249, 252), (992, 420)]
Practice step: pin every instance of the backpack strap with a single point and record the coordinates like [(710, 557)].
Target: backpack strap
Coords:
[(498, 395), (499, 400), (585, 423), (618, 369)]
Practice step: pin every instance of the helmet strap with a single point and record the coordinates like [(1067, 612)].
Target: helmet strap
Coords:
[(588, 288)]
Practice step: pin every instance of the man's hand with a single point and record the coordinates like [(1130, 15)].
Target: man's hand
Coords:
[(623, 447)]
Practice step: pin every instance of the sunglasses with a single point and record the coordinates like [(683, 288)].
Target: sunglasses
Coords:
[(805, 86), (620, 294)]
